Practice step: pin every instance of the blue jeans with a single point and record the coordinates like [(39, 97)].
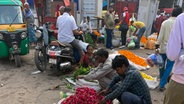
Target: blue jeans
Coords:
[(165, 71), (109, 38), (31, 34), (78, 51), (130, 98), (140, 34)]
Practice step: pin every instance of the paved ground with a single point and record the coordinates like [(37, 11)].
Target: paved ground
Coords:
[(19, 86)]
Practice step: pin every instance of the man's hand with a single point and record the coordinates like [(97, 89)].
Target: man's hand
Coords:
[(157, 48), (157, 51), (76, 32), (80, 32), (103, 92), (103, 101)]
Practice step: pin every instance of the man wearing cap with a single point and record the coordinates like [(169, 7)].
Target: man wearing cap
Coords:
[(125, 19), (30, 23)]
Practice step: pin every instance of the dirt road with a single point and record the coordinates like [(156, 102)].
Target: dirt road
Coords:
[(20, 86)]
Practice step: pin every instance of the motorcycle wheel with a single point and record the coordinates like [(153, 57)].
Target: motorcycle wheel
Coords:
[(40, 60), (17, 60)]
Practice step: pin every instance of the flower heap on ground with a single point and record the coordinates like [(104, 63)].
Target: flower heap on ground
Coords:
[(84, 95), (133, 58)]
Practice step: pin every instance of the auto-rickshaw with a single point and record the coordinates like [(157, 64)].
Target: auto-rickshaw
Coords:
[(13, 31)]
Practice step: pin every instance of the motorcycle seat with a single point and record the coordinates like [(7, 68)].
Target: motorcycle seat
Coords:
[(65, 44)]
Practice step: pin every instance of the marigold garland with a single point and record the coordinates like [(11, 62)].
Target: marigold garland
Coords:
[(134, 58)]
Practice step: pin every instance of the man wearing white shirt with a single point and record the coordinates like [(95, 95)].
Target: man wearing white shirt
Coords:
[(67, 28)]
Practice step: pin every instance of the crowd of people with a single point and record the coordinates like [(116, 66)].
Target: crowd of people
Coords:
[(116, 77)]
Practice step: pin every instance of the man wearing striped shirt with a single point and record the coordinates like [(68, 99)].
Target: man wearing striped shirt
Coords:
[(128, 87)]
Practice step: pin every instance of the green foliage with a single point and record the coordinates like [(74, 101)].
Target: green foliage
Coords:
[(69, 86), (88, 39), (81, 71)]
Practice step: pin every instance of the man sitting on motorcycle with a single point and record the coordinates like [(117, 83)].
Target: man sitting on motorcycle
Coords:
[(66, 29)]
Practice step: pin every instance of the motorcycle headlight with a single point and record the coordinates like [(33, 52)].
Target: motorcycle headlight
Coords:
[(38, 33), (1, 36), (23, 35), (15, 46)]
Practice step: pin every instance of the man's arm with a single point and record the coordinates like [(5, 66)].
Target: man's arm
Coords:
[(161, 33), (124, 85), (100, 72), (90, 28), (115, 80), (77, 32), (123, 17), (74, 27), (175, 40), (105, 20), (135, 30)]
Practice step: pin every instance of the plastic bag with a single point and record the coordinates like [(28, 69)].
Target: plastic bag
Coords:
[(131, 45), (150, 44), (83, 83), (155, 59), (83, 45), (152, 84)]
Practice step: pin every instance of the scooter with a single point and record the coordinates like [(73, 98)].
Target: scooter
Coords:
[(59, 55)]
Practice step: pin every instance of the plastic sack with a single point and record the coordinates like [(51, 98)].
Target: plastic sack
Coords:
[(115, 42), (152, 84), (131, 45), (155, 59), (83, 45), (83, 83), (150, 44), (132, 28)]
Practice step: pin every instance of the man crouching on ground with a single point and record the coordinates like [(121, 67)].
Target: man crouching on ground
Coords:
[(103, 72), (128, 87)]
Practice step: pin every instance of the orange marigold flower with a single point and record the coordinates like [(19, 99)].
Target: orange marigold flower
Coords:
[(133, 58), (143, 40)]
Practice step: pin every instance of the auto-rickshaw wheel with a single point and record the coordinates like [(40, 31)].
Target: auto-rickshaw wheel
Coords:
[(40, 60), (17, 60)]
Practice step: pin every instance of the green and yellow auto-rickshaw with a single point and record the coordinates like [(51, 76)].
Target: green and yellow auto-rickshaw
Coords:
[(13, 31)]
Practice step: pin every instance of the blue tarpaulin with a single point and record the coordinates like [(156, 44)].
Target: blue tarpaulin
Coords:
[(105, 3)]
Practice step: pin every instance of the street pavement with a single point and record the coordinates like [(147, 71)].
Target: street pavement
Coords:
[(23, 86)]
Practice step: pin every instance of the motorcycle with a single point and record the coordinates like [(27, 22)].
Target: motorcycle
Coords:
[(59, 55)]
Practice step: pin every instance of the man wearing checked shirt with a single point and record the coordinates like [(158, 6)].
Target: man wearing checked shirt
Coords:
[(128, 87)]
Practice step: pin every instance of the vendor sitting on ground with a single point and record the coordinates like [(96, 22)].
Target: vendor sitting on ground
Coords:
[(89, 58), (128, 87), (103, 72)]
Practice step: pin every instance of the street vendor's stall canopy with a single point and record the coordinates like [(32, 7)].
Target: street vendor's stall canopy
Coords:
[(10, 2)]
